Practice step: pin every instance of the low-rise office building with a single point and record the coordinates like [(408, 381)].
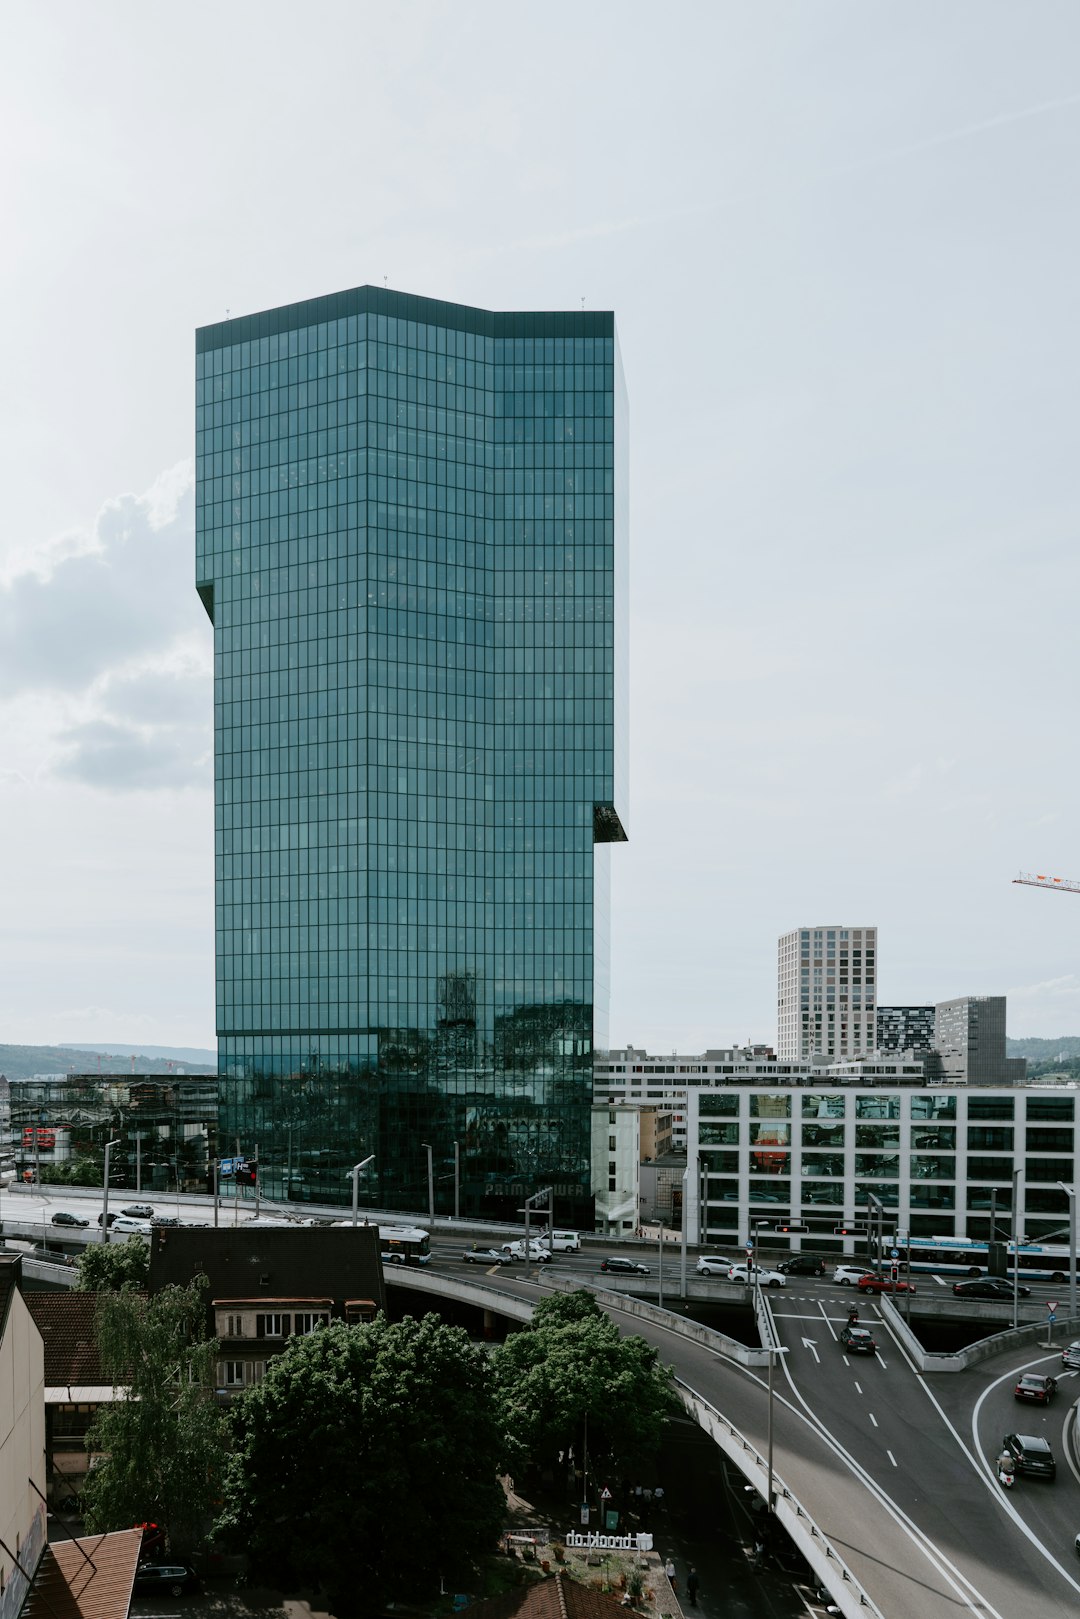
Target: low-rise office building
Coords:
[(937, 1157)]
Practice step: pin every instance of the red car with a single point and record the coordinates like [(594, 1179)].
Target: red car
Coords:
[(882, 1284), (1034, 1387)]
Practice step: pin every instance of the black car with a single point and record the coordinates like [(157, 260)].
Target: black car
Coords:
[(62, 1217), (988, 1287), (164, 1579), (1033, 1386), (101, 1217), (802, 1265), (857, 1340), (1032, 1455), (625, 1267), (166, 1220)]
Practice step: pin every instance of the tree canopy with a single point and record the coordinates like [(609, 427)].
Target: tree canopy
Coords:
[(160, 1443), (103, 1267), (365, 1461), (572, 1361)]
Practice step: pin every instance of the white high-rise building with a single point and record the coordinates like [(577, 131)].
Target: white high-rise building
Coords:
[(826, 997)]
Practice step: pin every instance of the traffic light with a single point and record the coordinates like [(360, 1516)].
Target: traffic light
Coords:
[(849, 1231), (793, 1225)]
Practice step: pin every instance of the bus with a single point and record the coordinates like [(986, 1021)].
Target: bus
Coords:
[(957, 1256), (404, 1245)]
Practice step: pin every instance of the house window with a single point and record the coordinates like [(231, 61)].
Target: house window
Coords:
[(270, 1326), (309, 1321), (233, 1374)]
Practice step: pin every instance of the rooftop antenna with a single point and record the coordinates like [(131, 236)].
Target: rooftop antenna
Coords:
[(583, 303), (226, 312), (384, 281)]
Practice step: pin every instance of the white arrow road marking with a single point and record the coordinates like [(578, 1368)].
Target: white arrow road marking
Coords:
[(811, 1344)]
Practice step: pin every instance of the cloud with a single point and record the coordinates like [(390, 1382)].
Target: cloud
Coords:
[(90, 602), (1065, 988), (105, 657)]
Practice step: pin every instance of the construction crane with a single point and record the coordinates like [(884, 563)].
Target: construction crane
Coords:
[(1039, 881)]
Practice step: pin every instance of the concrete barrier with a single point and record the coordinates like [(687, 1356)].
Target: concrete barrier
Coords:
[(958, 1360)]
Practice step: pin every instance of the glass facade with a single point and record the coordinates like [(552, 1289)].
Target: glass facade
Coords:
[(411, 540)]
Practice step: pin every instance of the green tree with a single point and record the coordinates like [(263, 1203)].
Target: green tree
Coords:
[(569, 1363), (160, 1444), (365, 1461), (104, 1267)]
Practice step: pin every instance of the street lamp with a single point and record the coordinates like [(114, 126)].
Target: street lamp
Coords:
[(457, 1180), (1016, 1246), (109, 1145), (355, 1173), (430, 1182), (660, 1301), (1070, 1193), (685, 1223)]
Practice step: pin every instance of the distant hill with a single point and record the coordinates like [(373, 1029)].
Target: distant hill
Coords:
[(185, 1054), (23, 1062), (1066, 1045)]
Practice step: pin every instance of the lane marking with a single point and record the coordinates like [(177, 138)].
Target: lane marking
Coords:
[(892, 1458), (933, 1553), (827, 1322), (811, 1344), (982, 1467), (872, 1417), (858, 1386)]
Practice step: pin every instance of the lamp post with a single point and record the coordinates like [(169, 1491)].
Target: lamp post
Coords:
[(1016, 1247), (109, 1145), (685, 1222), (457, 1180), (1070, 1193), (430, 1182), (660, 1265), (354, 1172)]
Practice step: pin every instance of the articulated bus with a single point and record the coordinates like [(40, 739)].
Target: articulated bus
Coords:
[(1039, 1261)]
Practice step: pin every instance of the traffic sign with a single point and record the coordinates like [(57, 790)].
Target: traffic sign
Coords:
[(894, 1253), (605, 1494), (749, 1247), (1051, 1305)]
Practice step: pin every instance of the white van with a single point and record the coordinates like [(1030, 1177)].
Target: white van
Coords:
[(564, 1242)]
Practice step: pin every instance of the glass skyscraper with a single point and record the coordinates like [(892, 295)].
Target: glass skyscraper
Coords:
[(412, 527)]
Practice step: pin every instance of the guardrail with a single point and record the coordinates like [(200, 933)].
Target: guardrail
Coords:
[(850, 1597), (958, 1360)]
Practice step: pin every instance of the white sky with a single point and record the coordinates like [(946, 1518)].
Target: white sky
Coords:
[(841, 244)]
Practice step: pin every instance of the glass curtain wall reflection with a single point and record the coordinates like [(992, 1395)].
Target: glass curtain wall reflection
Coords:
[(411, 542)]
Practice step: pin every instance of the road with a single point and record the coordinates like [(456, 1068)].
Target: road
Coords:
[(895, 1467)]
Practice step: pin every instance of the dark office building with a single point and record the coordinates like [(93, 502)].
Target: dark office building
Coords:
[(969, 1043), (412, 544), (905, 1028)]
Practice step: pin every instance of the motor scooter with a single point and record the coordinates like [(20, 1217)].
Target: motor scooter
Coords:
[(1006, 1473)]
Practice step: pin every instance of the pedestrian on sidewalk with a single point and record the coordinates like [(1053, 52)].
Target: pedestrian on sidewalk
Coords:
[(692, 1585), (669, 1570)]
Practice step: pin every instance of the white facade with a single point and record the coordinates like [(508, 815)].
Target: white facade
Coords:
[(646, 1080), (936, 1157), (616, 1163), (826, 992)]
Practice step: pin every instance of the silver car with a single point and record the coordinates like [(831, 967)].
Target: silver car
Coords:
[(1070, 1355)]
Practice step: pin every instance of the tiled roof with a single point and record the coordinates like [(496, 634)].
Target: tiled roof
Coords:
[(66, 1323), (89, 1578), (555, 1598)]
